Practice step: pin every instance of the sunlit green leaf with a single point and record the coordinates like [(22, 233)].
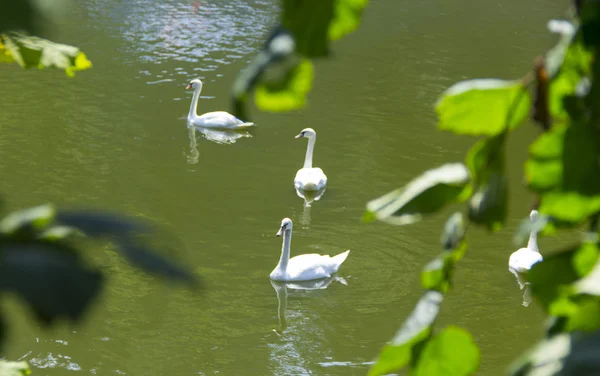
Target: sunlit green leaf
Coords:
[(14, 368), (450, 352), (416, 329), (564, 168), (437, 273), (424, 195), (585, 258), (29, 51), (346, 18), (483, 107), (308, 21), (36, 217), (286, 93)]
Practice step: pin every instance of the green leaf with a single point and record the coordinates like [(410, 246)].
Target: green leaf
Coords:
[(424, 195), (308, 21), (543, 359), (347, 14), (37, 217), (450, 352), (489, 203), (585, 258), (14, 368), (551, 278), (415, 330), (563, 167), (30, 52), (483, 107), (436, 275), (286, 93), (454, 231)]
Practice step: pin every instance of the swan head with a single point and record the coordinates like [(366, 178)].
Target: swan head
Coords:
[(307, 132), (534, 215), (194, 84), (286, 224)]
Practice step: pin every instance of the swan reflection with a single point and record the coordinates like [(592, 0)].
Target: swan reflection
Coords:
[(309, 197), (218, 136), (281, 289), (523, 285)]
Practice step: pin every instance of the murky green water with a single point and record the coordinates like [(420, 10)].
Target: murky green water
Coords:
[(115, 137)]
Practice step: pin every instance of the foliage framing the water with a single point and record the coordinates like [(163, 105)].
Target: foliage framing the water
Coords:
[(18, 21), (281, 75), (563, 170)]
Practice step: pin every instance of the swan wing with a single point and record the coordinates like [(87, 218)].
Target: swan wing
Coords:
[(310, 179), (220, 119), (310, 266), (523, 259)]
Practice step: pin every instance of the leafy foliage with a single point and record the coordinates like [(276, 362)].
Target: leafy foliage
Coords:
[(426, 194), (41, 262), (563, 170), (14, 368), (281, 74), (30, 52)]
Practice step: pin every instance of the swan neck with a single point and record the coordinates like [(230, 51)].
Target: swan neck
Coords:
[(309, 152), (532, 243), (194, 105), (285, 249)]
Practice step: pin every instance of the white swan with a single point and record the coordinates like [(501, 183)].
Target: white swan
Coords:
[(523, 259), (309, 178), (303, 267), (216, 119)]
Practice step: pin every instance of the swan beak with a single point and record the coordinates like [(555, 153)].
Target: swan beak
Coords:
[(278, 233), (188, 87), (299, 136)]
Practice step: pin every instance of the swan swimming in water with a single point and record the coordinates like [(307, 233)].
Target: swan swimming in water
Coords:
[(303, 267), (523, 259), (309, 178), (215, 119)]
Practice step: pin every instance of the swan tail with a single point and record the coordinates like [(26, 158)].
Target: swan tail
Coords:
[(339, 259)]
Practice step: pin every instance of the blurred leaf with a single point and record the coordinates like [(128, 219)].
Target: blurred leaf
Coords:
[(550, 277), (19, 16), (415, 330), (585, 258), (50, 278), (483, 107), (14, 368), (57, 233), (590, 283), (575, 67), (29, 51), (563, 167), (36, 218), (308, 21), (486, 157), (489, 203), (424, 195), (287, 93), (346, 19), (450, 352), (437, 273), (454, 231), (4, 54), (544, 359), (102, 224), (153, 263)]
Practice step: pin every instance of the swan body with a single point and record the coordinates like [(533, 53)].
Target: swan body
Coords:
[(523, 259), (303, 267), (215, 119), (309, 178)]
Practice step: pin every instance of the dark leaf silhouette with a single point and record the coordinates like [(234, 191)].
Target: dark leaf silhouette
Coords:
[(54, 283), (99, 224), (151, 262)]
